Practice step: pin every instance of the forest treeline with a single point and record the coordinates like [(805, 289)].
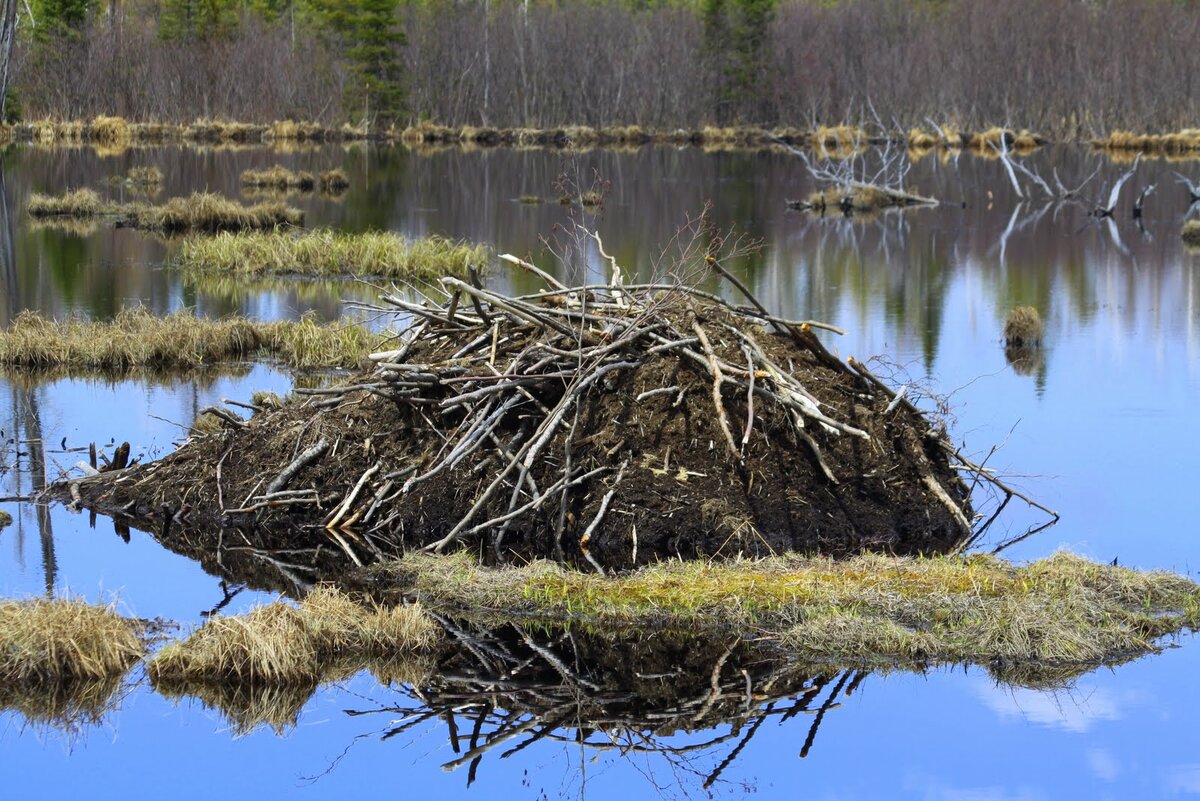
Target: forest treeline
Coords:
[(1062, 67)]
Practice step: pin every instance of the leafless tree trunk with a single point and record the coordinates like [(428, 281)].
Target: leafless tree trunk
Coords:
[(8, 36)]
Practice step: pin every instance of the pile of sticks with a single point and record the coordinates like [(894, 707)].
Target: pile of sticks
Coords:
[(503, 377)]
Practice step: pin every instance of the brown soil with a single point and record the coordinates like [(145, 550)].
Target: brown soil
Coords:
[(682, 495)]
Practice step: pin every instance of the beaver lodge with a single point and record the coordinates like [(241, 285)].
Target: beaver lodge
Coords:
[(603, 425)]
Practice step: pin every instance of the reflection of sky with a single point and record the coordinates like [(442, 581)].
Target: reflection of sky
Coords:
[(949, 735), (1106, 435), (94, 563)]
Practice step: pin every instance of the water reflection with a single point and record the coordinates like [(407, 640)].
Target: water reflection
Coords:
[(694, 703)]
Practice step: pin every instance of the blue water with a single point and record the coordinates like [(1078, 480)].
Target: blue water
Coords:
[(1104, 431)]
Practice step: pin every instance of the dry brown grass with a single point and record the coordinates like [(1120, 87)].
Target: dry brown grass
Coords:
[(80, 204), (860, 199), (137, 339), (1191, 233), (201, 212), (144, 176), (1023, 327), (973, 609), (839, 137), (207, 212), (110, 131), (283, 644), (995, 140), (279, 177), (268, 645), (1182, 142), (334, 181), (224, 131), (64, 640)]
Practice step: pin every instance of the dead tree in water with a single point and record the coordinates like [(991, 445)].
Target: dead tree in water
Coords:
[(852, 184)]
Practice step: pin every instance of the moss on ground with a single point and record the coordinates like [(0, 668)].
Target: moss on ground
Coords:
[(944, 609)]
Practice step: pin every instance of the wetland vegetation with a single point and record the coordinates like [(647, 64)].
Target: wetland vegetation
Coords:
[(135, 338), (606, 501), (200, 212), (329, 253)]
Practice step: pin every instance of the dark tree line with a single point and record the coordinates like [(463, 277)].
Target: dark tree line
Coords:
[(1063, 67)]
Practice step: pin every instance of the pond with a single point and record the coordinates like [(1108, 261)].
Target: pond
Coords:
[(1102, 429)]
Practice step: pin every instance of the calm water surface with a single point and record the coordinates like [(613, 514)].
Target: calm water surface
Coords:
[(1103, 429)]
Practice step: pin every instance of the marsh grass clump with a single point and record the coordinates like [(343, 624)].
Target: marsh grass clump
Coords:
[(206, 423), (920, 139), (426, 132), (1183, 142), (838, 137), (297, 131), (531, 200), (218, 131), (995, 140), (79, 204), (5, 519), (1023, 327), (325, 252), (207, 212), (338, 624), (201, 212), (851, 199), (110, 131), (269, 644), (1191, 233), (137, 339), (978, 609), (265, 399), (589, 199), (144, 176), (65, 640), (279, 178), (329, 633), (334, 182)]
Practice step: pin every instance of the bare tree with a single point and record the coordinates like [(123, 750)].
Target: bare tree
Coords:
[(8, 36)]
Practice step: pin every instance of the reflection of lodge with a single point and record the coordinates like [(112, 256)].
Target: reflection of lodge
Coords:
[(505, 689)]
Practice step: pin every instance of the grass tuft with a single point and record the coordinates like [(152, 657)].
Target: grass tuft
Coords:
[(111, 131), (63, 641), (325, 252), (207, 212), (282, 644), (280, 178), (1181, 142), (80, 204), (202, 212), (1191, 233), (334, 182), (1023, 327), (144, 176), (135, 338)]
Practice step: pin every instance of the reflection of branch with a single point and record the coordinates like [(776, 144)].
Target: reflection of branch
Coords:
[(825, 707), (611, 701)]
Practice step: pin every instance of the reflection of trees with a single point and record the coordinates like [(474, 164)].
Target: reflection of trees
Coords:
[(26, 416), (25, 423)]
